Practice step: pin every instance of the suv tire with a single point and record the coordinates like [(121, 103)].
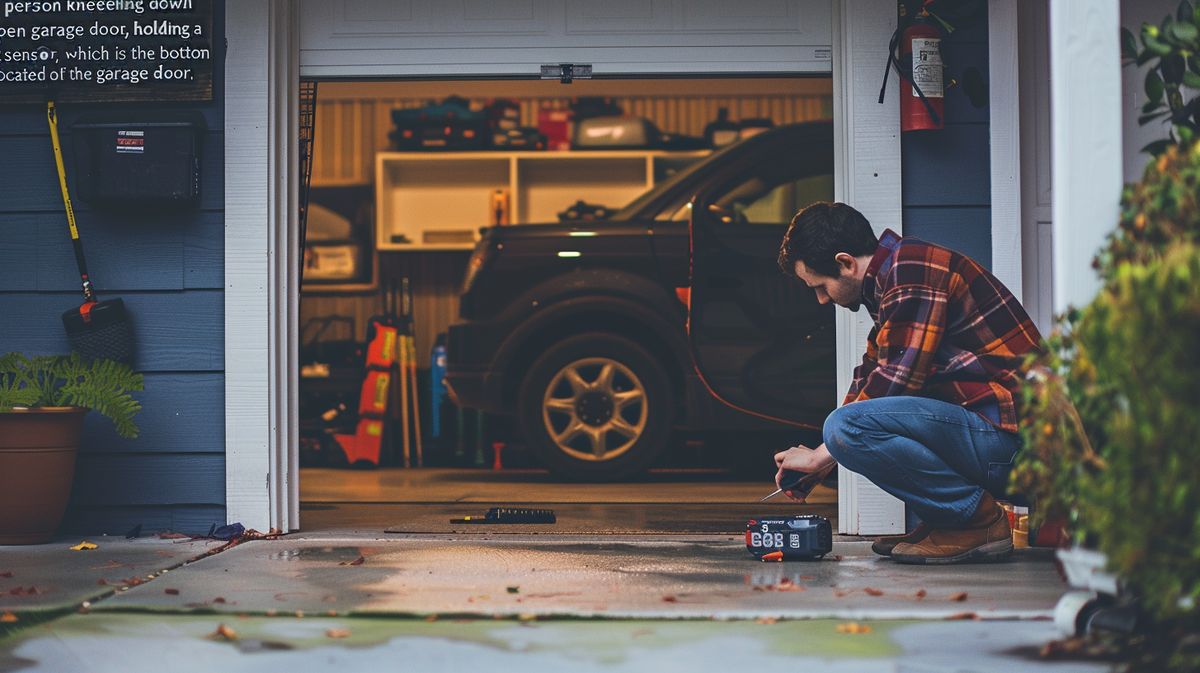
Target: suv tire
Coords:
[(596, 407)]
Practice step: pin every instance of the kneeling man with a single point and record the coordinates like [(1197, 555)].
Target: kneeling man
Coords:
[(932, 414)]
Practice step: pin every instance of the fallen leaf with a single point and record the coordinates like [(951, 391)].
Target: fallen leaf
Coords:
[(85, 546), (1059, 648), (356, 562), (960, 616), (223, 633), (766, 620), (433, 618), (514, 590), (921, 594), (670, 599), (299, 614), (337, 633), (6, 574), (526, 617), (841, 593), (171, 592), (219, 599), (836, 557), (853, 628), (807, 578), (959, 597), (873, 592), (8, 618), (790, 587)]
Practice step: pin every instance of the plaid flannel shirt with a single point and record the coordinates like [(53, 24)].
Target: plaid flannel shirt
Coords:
[(945, 329)]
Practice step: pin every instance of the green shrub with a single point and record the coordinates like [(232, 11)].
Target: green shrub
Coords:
[(1126, 469), (68, 380), (1112, 432)]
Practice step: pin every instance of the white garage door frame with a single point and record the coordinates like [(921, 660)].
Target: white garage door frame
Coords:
[(261, 265)]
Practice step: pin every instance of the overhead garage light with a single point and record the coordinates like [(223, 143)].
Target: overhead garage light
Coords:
[(582, 233), (570, 253)]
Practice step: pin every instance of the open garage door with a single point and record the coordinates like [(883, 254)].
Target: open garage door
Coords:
[(489, 38)]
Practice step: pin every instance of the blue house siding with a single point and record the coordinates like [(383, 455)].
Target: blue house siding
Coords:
[(947, 173), (169, 269)]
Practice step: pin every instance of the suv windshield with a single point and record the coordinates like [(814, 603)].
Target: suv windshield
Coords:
[(638, 204)]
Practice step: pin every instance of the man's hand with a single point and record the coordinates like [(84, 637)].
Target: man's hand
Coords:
[(801, 459)]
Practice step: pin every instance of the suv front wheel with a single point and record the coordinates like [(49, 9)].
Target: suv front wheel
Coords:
[(596, 407)]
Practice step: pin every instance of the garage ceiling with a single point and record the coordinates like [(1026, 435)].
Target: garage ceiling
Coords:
[(489, 38)]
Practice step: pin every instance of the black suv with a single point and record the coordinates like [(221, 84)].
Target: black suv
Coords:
[(601, 338)]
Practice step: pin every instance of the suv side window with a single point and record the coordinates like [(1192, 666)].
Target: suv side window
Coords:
[(773, 199)]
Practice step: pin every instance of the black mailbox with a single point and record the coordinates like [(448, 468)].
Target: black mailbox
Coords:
[(134, 165)]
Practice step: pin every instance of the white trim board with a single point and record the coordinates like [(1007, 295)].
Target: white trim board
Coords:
[(259, 264), (1004, 103), (867, 176), (1085, 119)]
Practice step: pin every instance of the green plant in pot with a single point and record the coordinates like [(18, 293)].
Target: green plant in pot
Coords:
[(43, 400)]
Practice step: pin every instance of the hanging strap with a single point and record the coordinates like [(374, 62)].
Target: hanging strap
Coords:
[(89, 294), (893, 61)]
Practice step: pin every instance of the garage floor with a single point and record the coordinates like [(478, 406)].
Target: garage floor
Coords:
[(424, 501)]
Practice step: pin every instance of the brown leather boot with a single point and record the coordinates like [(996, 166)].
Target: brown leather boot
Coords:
[(986, 537), (884, 545)]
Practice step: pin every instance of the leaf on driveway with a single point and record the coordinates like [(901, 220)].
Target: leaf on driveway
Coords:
[(171, 592), (959, 597), (6, 574), (670, 599), (959, 616), (223, 633), (337, 633), (766, 620), (85, 546), (921, 594), (873, 592), (853, 628), (356, 562), (8, 618)]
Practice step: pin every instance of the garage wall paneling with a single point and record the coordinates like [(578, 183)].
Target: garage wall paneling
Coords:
[(946, 173), (169, 271)]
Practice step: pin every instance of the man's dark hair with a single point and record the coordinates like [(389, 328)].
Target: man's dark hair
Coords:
[(821, 231)]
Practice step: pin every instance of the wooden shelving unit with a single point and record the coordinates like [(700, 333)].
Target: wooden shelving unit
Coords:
[(428, 201)]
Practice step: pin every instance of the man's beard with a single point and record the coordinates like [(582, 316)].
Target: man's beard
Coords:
[(853, 308)]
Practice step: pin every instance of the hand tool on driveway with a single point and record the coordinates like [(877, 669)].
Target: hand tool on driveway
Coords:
[(96, 329)]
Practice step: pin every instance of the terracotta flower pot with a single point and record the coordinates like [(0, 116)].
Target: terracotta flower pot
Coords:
[(37, 466)]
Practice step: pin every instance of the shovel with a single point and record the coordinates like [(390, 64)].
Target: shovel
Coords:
[(96, 329)]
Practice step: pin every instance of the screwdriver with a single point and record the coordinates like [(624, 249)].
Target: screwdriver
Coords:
[(791, 479)]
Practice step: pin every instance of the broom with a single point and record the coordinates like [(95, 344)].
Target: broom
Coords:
[(96, 329)]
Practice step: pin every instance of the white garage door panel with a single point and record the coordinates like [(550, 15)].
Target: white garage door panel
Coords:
[(380, 38)]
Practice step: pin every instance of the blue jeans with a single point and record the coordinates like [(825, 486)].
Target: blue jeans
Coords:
[(935, 456)]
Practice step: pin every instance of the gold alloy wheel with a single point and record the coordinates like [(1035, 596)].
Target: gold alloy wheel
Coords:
[(595, 409)]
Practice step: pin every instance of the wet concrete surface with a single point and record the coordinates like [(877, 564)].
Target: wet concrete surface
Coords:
[(629, 577), (53, 577), (137, 643)]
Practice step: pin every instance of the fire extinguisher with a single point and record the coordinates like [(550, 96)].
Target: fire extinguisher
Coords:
[(922, 91)]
